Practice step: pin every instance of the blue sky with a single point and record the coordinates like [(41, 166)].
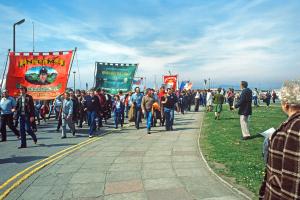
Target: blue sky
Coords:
[(226, 41)]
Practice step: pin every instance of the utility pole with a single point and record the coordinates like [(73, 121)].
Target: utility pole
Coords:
[(32, 36), (14, 33)]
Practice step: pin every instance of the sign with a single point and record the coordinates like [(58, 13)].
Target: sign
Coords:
[(185, 85), (138, 82), (44, 74), (170, 81), (114, 77)]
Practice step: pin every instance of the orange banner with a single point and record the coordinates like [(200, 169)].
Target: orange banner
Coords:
[(170, 81), (44, 74)]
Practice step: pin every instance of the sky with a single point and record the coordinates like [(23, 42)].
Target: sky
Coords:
[(221, 40)]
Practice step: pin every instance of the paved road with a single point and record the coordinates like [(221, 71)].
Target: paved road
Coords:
[(14, 160), (131, 164)]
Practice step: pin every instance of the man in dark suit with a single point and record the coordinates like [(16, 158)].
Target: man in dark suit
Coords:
[(245, 109), (25, 109)]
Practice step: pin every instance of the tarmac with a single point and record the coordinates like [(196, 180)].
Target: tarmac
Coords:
[(130, 164)]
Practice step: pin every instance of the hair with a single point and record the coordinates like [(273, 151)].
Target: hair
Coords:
[(219, 90), (290, 93), (120, 92), (24, 88), (244, 84), (136, 88)]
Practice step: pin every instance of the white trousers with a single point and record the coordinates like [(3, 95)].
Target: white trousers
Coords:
[(244, 121)]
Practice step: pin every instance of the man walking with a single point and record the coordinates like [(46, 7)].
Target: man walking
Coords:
[(169, 102), (67, 114), (25, 111), (92, 106), (7, 105), (245, 109), (147, 103), (136, 99)]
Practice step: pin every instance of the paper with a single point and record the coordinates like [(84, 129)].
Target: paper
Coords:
[(269, 132)]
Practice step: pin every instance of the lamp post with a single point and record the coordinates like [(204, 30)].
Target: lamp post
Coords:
[(74, 72), (14, 33)]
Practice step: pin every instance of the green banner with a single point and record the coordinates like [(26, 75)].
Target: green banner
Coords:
[(114, 77)]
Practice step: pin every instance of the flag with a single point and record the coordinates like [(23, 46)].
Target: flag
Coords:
[(44, 74)]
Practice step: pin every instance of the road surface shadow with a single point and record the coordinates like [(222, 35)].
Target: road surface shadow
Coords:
[(21, 159)]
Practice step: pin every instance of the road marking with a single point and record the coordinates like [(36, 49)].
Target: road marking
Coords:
[(50, 159), (36, 164), (26, 176)]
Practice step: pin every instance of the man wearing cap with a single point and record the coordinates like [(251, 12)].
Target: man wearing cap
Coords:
[(25, 110), (43, 76), (7, 105)]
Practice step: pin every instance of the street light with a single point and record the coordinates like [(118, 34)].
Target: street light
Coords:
[(74, 72), (14, 34)]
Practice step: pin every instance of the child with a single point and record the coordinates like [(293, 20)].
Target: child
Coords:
[(156, 114), (117, 108)]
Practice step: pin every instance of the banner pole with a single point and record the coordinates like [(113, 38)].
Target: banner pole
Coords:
[(94, 84), (5, 67), (74, 52)]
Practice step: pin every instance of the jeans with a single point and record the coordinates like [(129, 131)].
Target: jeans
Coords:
[(92, 121), (118, 117), (137, 115), (255, 101), (25, 126), (169, 113), (148, 119)]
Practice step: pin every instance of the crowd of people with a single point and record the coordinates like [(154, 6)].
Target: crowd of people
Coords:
[(95, 106)]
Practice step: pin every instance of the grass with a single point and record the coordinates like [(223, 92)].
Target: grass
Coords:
[(239, 161)]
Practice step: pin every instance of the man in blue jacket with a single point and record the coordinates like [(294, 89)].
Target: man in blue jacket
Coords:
[(245, 109)]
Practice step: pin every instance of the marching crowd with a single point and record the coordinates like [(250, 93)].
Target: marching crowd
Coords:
[(95, 107)]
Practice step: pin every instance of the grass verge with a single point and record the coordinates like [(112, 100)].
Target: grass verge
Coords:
[(238, 161)]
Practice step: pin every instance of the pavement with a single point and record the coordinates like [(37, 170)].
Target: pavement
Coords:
[(130, 164)]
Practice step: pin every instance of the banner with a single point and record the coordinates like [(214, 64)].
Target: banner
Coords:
[(114, 77), (185, 85), (44, 74), (170, 81), (138, 82)]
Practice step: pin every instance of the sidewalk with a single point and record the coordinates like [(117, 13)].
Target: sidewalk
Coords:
[(133, 165)]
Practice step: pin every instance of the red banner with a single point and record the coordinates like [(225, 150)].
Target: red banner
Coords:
[(170, 81), (44, 74)]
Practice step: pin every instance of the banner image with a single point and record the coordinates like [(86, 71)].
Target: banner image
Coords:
[(185, 85), (138, 82), (44, 74), (114, 77), (170, 81)]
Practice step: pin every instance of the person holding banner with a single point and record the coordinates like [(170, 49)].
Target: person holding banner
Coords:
[(7, 104), (67, 115), (147, 103), (136, 100), (25, 111)]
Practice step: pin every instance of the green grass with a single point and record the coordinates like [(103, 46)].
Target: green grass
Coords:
[(229, 156)]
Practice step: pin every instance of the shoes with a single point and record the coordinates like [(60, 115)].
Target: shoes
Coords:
[(246, 138), (35, 141), (57, 130), (2, 140), (63, 137), (148, 131), (216, 118), (73, 133), (90, 136), (22, 147)]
